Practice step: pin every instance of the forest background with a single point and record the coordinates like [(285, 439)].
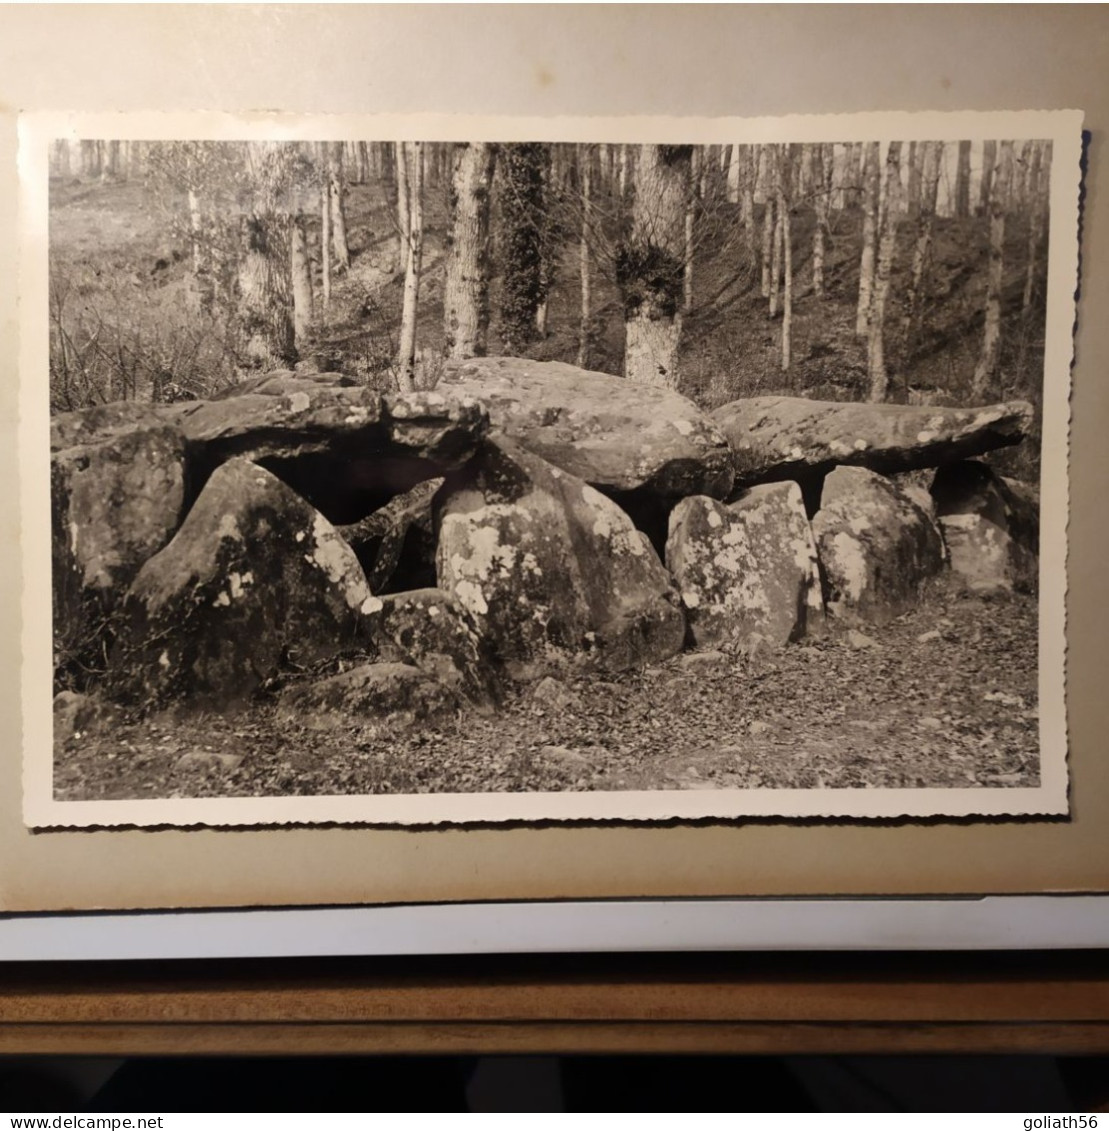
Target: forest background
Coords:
[(898, 271)]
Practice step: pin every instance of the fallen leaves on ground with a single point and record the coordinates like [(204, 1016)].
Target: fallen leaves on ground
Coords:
[(943, 697)]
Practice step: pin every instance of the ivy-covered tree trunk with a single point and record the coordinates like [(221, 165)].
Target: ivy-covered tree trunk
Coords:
[(650, 265), (265, 292), (265, 299), (466, 290), (520, 181)]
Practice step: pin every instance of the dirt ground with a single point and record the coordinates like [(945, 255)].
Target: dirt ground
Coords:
[(945, 697)]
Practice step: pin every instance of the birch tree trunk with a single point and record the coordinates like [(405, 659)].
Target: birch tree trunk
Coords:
[(822, 192), (584, 268), (1038, 195), (916, 155), (989, 159), (887, 249), (768, 227), (870, 228), (301, 272), (197, 288), (962, 181), (466, 289), (931, 163), (625, 169), (776, 238), (985, 372), (325, 243), (335, 198), (412, 155), (650, 267), (747, 165), (404, 220), (696, 162), (785, 192)]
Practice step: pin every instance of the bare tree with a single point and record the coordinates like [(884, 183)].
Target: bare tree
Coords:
[(325, 236), (1038, 180), (768, 229), (300, 270), (466, 289), (697, 162), (985, 371), (931, 163), (821, 163), (887, 249), (962, 181), (585, 165), (785, 181), (748, 165), (650, 265), (989, 159), (404, 219), (335, 193), (412, 158), (774, 159), (872, 180), (914, 164)]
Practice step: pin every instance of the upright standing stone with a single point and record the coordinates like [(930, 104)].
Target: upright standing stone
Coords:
[(254, 579), (746, 572), (991, 527), (551, 570), (877, 547)]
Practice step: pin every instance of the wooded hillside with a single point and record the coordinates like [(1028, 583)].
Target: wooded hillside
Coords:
[(900, 271)]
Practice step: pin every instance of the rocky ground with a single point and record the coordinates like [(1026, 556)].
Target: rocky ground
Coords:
[(944, 696)]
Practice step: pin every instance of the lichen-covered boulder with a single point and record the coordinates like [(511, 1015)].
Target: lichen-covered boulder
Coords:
[(617, 435), (746, 572), (877, 547), (76, 713), (991, 527), (398, 694), (435, 632), (117, 481), (254, 579), (795, 438), (550, 569)]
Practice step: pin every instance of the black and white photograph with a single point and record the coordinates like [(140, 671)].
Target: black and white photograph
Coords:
[(644, 471)]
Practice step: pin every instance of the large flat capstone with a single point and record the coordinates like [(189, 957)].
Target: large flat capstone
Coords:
[(777, 438), (616, 435)]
